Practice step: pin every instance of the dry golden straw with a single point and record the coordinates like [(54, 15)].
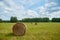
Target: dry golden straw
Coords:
[(19, 29)]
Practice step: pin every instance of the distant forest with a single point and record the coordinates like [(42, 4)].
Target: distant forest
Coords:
[(14, 19)]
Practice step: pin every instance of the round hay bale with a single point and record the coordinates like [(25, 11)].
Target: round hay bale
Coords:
[(35, 23), (19, 29)]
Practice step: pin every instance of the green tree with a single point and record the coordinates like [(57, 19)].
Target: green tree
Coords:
[(36, 20), (45, 19), (0, 20), (13, 19), (55, 19)]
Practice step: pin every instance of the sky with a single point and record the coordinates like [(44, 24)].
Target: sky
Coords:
[(29, 9)]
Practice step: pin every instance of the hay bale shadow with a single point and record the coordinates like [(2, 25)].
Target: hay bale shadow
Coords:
[(10, 34)]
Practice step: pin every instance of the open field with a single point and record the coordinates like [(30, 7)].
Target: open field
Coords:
[(42, 31)]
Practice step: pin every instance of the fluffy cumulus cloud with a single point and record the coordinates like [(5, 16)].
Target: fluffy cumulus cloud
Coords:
[(32, 13), (51, 9), (29, 8), (10, 8)]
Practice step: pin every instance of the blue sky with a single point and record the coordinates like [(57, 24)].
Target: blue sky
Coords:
[(29, 9)]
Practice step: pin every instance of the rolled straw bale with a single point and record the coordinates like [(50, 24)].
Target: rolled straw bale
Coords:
[(19, 29)]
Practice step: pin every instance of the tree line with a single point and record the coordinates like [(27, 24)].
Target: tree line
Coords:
[(14, 19), (35, 20)]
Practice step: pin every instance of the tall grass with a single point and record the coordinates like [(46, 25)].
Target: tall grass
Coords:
[(41, 31)]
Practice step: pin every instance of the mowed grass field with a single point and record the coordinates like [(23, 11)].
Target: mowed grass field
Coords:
[(41, 31)]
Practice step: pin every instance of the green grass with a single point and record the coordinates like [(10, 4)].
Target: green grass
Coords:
[(42, 31)]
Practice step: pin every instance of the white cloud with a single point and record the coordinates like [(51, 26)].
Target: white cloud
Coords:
[(32, 13), (55, 14), (4, 17), (55, 8), (42, 10), (18, 10), (13, 9), (27, 2), (1, 3), (50, 4)]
